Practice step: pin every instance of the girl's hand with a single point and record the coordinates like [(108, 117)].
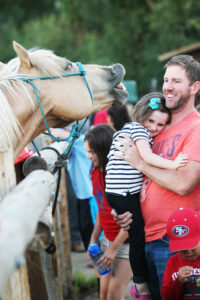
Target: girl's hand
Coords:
[(107, 259), (180, 160), (183, 273)]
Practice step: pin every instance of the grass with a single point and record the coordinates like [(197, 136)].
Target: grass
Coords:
[(83, 285)]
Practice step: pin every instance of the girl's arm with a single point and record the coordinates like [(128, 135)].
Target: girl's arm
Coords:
[(96, 231), (110, 252), (63, 133), (155, 160)]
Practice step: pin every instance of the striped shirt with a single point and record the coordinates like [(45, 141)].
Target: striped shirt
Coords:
[(122, 178)]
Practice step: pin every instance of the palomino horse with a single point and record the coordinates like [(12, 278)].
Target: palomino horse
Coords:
[(63, 98)]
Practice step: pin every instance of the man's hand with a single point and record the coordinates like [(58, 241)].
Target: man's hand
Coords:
[(123, 220), (128, 152)]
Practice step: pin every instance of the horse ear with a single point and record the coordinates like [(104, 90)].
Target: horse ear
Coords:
[(23, 55), (2, 65)]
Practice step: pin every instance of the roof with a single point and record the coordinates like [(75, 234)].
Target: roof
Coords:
[(183, 50)]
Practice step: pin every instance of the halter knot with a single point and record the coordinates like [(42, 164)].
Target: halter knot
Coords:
[(81, 69)]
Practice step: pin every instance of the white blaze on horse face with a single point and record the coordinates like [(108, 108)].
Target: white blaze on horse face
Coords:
[(63, 99)]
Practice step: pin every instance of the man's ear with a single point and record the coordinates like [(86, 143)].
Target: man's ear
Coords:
[(22, 53), (196, 87)]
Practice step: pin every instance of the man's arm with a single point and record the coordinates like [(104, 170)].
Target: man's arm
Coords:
[(181, 181)]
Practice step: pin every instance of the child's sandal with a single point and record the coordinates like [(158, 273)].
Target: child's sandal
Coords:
[(135, 295)]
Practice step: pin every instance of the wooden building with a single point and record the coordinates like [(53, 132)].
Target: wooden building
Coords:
[(193, 50)]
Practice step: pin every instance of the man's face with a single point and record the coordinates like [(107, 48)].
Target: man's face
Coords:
[(176, 87)]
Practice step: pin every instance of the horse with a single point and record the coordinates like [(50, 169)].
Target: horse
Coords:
[(63, 96)]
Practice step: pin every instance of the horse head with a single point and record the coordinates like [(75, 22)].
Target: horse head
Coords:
[(64, 95)]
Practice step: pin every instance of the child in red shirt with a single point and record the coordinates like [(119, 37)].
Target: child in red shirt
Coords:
[(114, 241), (182, 274)]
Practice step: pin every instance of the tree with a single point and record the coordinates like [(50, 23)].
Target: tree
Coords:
[(133, 33)]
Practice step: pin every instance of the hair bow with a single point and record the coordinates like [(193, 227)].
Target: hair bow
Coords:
[(153, 102)]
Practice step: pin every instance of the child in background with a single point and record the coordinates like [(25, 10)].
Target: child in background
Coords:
[(182, 274), (114, 242), (124, 183), (117, 116)]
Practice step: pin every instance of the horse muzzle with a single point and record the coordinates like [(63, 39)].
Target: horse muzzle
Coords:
[(119, 91)]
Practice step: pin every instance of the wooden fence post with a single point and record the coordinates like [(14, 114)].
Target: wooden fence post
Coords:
[(18, 221), (66, 259), (62, 239), (62, 257), (20, 211), (17, 286)]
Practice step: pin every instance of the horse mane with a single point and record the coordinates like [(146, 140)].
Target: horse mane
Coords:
[(47, 64)]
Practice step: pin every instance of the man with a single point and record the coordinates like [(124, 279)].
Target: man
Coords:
[(168, 190)]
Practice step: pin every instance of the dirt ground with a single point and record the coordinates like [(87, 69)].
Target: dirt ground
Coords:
[(80, 261)]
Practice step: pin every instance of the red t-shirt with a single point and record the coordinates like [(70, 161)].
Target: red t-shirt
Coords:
[(100, 117), (109, 226), (171, 287), (157, 203)]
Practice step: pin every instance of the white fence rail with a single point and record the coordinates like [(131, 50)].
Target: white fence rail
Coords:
[(20, 211)]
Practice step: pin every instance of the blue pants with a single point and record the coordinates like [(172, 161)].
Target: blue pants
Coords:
[(157, 255), (75, 235), (80, 220)]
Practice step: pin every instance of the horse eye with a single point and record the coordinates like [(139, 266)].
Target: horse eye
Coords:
[(68, 66)]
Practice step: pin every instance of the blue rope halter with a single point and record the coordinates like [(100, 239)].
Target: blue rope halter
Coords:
[(74, 134), (75, 130)]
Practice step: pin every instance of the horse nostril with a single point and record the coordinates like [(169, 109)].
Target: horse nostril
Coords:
[(118, 68), (119, 72)]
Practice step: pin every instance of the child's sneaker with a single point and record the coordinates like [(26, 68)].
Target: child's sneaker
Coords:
[(135, 295)]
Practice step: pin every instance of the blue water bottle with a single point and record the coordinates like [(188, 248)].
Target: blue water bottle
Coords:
[(95, 253)]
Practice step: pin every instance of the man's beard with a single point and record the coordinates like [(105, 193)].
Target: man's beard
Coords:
[(181, 102)]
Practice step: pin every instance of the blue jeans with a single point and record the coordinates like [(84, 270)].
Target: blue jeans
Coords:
[(157, 254), (75, 235)]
